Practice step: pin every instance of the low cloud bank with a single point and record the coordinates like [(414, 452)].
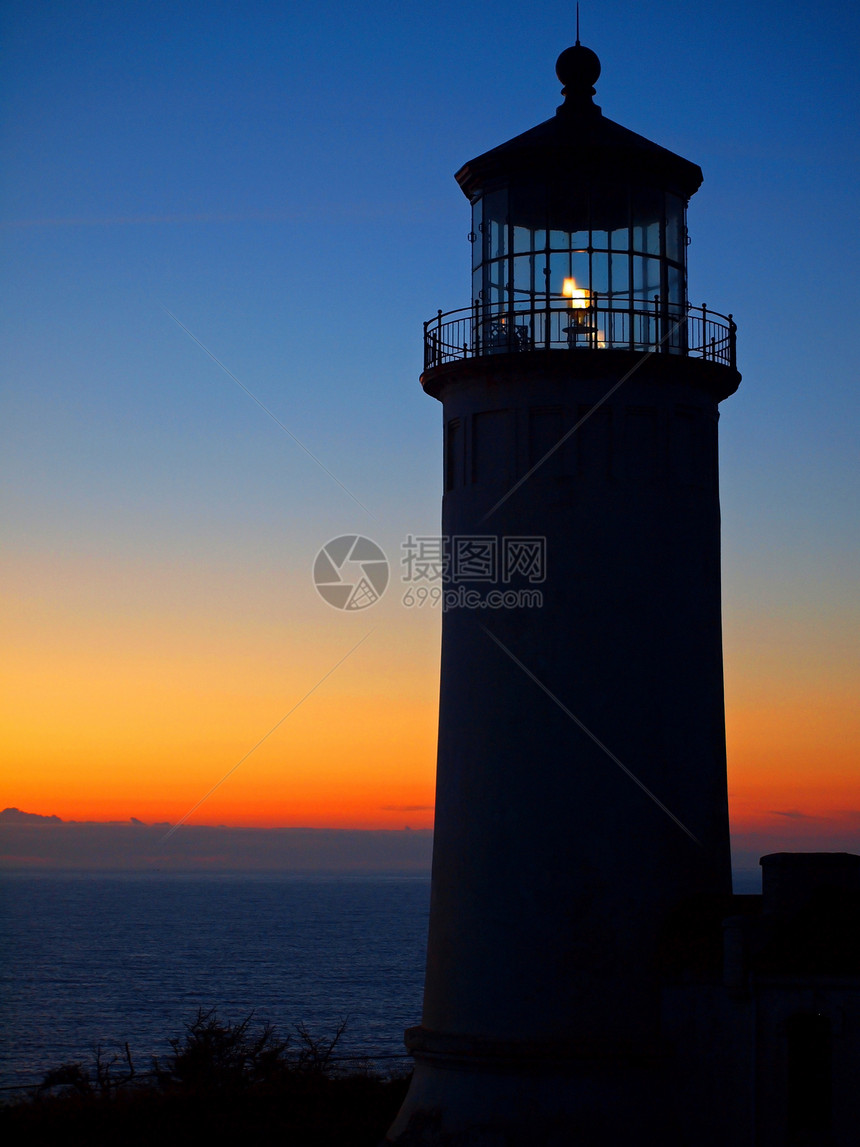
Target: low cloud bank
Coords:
[(28, 840)]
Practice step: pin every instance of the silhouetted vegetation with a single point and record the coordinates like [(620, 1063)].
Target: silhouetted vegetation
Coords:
[(221, 1082)]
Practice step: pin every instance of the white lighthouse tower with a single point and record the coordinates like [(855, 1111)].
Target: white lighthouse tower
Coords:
[(581, 787)]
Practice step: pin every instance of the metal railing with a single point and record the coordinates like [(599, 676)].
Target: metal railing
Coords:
[(602, 324)]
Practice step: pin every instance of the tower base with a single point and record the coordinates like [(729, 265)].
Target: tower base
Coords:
[(473, 1093)]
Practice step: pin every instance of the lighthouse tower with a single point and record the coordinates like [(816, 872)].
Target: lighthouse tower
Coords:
[(581, 786)]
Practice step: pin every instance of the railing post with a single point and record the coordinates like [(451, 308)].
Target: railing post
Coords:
[(657, 344), (476, 336), (704, 330), (732, 348)]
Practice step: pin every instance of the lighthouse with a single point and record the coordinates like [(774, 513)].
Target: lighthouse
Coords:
[(581, 781)]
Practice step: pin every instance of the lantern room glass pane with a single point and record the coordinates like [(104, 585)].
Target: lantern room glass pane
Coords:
[(600, 240), (620, 271), (523, 239), (599, 273), (619, 239), (494, 296), (496, 224), (559, 270), (495, 282), (647, 218), (646, 278), (675, 236), (524, 275), (498, 239), (675, 286), (579, 271)]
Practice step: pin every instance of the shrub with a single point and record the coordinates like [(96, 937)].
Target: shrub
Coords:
[(217, 1056), (221, 1083)]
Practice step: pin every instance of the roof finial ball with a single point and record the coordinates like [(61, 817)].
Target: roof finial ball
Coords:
[(577, 68)]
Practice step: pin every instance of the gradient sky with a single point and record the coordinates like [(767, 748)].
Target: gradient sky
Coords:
[(279, 178)]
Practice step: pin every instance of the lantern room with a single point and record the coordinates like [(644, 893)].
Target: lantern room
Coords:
[(579, 240)]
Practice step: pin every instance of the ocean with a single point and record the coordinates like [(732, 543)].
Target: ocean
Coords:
[(110, 959)]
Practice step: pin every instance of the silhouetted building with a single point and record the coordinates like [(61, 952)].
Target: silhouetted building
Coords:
[(576, 989), (761, 1008)]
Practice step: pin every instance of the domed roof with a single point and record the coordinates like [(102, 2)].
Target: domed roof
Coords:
[(580, 142)]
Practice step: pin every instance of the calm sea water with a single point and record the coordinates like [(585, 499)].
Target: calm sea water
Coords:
[(113, 958)]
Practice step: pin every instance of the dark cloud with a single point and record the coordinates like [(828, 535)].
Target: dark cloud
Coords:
[(796, 814), (16, 816)]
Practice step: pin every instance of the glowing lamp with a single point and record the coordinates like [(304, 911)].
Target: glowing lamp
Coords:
[(580, 297)]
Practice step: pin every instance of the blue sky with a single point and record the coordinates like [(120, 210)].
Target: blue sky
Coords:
[(279, 177)]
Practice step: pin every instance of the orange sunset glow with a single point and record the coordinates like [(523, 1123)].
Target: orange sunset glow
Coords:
[(113, 715), (793, 729), (117, 712)]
